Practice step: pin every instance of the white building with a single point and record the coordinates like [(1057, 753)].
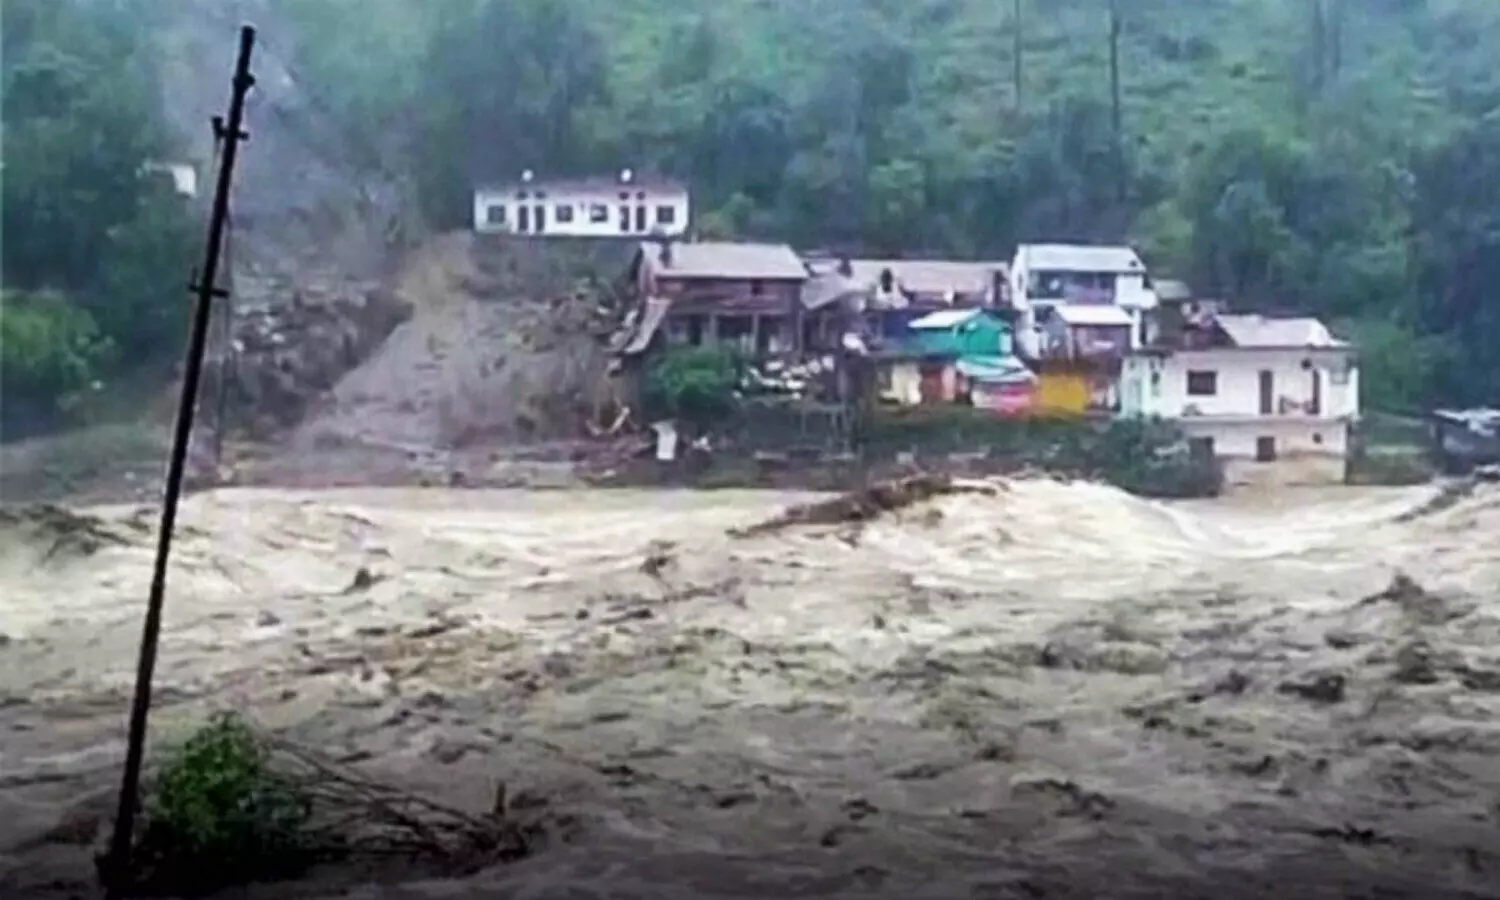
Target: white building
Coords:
[(1274, 399), (1049, 275), (627, 205)]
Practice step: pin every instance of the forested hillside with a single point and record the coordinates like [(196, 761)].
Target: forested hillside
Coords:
[(1340, 157)]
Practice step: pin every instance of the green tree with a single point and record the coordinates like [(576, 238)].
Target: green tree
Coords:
[(94, 244), (696, 385)]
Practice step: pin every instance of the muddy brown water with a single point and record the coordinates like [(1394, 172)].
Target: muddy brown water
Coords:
[(1056, 691)]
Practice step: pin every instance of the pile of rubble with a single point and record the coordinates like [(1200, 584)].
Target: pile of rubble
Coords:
[(795, 380), (291, 343)]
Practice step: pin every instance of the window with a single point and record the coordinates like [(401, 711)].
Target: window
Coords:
[(495, 214), (666, 215), (1265, 449), (1202, 384), (757, 288), (598, 213), (564, 213)]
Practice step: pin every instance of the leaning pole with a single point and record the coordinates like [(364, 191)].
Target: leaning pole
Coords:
[(228, 134)]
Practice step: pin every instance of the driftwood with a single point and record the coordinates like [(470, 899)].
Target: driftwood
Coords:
[(358, 815), (868, 503)]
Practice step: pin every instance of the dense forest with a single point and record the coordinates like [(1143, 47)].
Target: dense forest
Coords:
[(1338, 157)]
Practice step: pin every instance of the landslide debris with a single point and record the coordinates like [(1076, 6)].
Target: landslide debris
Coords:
[(868, 503)]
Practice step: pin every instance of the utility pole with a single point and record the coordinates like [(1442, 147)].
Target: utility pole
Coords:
[(118, 873), (1116, 116), (1018, 59)]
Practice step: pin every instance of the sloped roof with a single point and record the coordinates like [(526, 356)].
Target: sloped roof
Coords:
[(1097, 315), (656, 311), (827, 288), (1171, 290), (1081, 258), (1268, 333), (931, 276), (715, 259), (944, 318), (646, 181)]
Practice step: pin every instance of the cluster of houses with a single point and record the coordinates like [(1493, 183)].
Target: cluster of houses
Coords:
[(1058, 330)]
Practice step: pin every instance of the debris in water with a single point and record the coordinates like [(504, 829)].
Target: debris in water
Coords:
[(363, 580), (868, 503), (1324, 688), (66, 532)]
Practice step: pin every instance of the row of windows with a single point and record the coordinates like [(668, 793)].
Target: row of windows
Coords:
[(535, 216)]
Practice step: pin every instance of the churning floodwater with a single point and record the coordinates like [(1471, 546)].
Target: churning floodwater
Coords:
[(1054, 690)]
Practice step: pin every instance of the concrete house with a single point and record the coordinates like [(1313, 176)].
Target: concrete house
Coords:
[(1274, 398), (1046, 276), (628, 204)]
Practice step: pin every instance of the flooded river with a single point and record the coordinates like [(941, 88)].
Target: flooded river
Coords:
[(1055, 691)]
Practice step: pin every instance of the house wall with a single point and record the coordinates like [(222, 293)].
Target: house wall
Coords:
[(726, 295), (1307, 452), (1307, 448), (584, 207), (902, 383), (1158, 385), (1061, 393)]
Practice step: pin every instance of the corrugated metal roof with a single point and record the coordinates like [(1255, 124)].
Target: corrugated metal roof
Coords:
[(827, 288), (1081, 258), (1092, 315), (944, 318), (713, 259), (1263, 332), (1171, 290), (931, 276), (656, 312)]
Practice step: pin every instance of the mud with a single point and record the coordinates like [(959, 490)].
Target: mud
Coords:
[(1045, 690)]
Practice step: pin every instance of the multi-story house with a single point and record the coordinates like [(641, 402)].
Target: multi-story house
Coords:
[(1274, 398)]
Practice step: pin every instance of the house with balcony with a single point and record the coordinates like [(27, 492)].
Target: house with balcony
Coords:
[(1275, 399), (746, 296)]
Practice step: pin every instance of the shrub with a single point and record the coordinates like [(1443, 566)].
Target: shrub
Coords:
[(694, 384), (219, 814)]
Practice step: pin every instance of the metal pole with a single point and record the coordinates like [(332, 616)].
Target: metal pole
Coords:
[(118, 872)]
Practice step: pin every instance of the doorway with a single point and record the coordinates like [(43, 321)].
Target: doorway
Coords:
[(931, 384), (1265, 449), (1267, 391)]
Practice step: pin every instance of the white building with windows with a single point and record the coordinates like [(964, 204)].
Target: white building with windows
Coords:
[(1046, 276), (627, 205), (1274, 399)]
